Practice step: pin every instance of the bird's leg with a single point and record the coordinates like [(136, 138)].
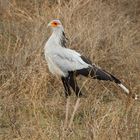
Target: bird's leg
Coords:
[(71, 79), (67, 112), (66, 87), (67, 94), (74, 111), (72, 82)]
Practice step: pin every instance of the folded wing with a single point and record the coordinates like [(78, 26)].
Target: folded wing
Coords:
[(69, 60)]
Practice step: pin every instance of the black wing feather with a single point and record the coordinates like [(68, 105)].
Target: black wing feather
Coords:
[(63, 40), (86, 60)]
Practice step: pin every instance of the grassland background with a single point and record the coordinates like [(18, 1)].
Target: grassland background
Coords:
[(32, 102)]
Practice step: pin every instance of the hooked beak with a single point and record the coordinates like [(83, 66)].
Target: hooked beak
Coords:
[(49, 24)]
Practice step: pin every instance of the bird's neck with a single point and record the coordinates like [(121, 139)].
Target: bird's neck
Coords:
[(58, 37), (57, 34)]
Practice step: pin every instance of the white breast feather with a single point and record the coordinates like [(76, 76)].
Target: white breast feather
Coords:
[(62, 60)]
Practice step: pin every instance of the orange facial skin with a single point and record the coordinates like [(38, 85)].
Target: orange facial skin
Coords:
[(54, 24)]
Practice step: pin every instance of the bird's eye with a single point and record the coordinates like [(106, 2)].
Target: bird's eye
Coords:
[(55, 23)]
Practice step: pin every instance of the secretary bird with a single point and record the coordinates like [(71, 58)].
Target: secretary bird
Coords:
[(68, 64)]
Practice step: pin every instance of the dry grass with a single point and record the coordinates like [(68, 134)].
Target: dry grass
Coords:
[(32, 103)]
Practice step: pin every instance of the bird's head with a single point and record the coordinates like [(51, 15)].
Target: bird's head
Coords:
[(55, 24)]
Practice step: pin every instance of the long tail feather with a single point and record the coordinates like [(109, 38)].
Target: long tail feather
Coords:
[(118, 82), (124, 88), (97, 73)]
